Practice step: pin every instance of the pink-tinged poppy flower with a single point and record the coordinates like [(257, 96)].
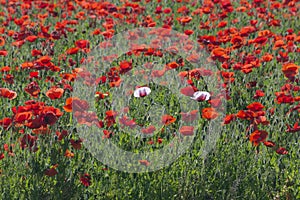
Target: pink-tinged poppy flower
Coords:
[(215, 103), (188, 91), (144, 162), (258, 136), (187, 130), (148, 130), (85, 179), (201, 96), (168, 119), (142, 92)]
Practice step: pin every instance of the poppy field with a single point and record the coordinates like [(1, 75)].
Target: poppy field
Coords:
[(150, 99)]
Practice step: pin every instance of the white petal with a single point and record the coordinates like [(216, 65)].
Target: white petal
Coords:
[(140, 90), (198, 94)]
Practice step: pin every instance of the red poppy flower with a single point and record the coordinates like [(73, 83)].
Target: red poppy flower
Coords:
[(219, 54), (172, 65), (125, 66), (50, 118), (82, 44), (184, 20), (168, 119), (33, 89), (72, 50), (75, 104), (2, 41), (256, 106), (6, 93), (187, 130), (85, 179), (44, 61), (5, 122), (3, 53), (258, 136), (52, 171), (269, 143), (282, 151), (281, 97), (209, 113), (107, 134), (258, 94), (31, 38), (229, 118), (110, 117), (267, 57), (290, 70), (55, 93), (27, 141), (294, 129), (23, 116), (2, 156)]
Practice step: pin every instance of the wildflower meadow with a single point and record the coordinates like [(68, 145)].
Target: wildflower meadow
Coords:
[(150, 99)]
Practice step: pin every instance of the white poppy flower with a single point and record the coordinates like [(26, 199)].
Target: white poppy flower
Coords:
[(201, 96), (142, 92)]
